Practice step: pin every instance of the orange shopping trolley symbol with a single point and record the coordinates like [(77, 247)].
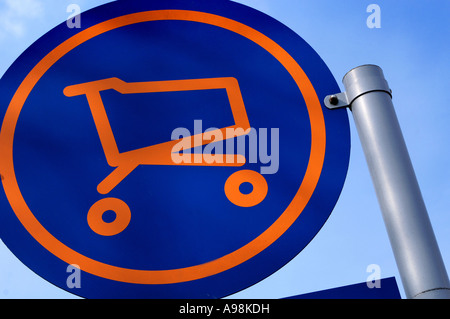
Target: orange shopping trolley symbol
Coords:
[(162, 154)]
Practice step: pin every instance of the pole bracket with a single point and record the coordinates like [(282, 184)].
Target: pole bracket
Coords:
[(337, 101), (374, 81)]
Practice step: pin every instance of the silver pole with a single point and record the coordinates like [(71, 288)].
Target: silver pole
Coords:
[(413, 242)]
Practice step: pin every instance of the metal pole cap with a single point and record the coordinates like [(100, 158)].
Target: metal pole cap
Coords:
[(358, 81), (364, 79)]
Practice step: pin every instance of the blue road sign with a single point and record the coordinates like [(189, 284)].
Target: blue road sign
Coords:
[(387, 289), (167, 149)]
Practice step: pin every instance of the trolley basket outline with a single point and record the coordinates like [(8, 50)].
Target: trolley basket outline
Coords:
[(124, 163)]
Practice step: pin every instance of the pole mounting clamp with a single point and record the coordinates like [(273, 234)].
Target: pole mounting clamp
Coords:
[(336, 101), (373, 81)]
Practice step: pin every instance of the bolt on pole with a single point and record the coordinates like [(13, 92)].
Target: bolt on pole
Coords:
[(413, 242)]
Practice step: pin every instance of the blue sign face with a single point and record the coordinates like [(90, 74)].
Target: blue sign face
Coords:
[(167, 149)]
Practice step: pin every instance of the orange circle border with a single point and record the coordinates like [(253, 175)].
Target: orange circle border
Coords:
[(239, 256)]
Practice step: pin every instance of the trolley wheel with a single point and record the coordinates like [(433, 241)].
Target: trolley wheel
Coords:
[(100, 226), (256, 196)]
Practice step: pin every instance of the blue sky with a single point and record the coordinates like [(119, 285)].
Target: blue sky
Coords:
[(412, 48)]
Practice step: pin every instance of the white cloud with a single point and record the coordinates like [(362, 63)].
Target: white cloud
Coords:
[(16, 15)]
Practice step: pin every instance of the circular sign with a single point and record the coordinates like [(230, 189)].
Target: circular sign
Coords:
[(167, 149)]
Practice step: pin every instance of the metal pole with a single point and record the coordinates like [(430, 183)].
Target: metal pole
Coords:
[(413, 242)]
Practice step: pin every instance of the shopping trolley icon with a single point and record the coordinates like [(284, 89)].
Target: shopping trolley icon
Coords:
[(162, 154)]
